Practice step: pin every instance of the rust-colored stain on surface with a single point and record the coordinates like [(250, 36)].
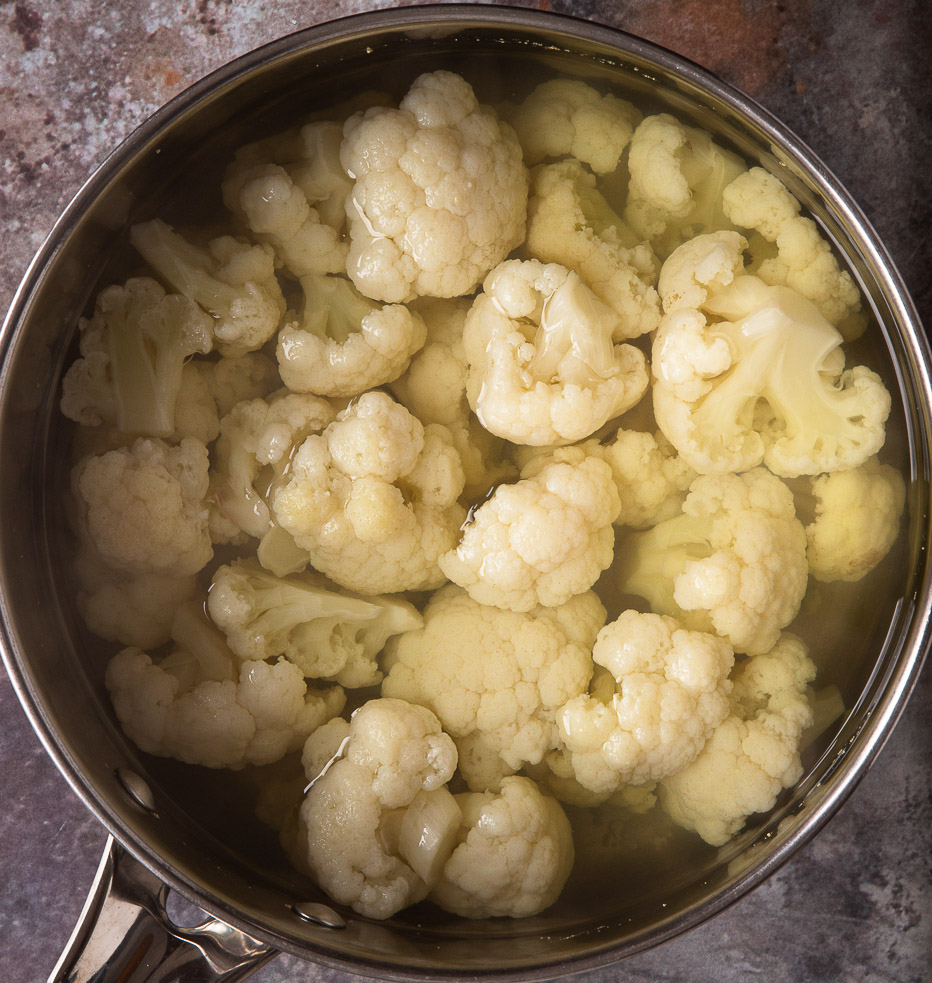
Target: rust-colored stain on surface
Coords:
[(739, 40)]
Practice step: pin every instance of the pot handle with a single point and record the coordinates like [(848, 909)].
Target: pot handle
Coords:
[(125, 935)]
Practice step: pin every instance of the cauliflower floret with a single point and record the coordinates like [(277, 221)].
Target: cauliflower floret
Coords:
[(542, 365), (754, 754), (677, 178), (257, 438), (362, 775), (200, 705), (540, 540), (233, 281), (671, 691), (440, 193), (326, 634), (133, 353), (135, 610), (514, 853), (373, 499), (804, 260), (857, 519), (567, 117), (570, 223), (277, 211), (344, 343), (763, 380), (734, 562), (143, 507), (209, 390), (495, 678)]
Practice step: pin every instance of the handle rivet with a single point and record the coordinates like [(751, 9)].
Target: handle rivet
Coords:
[(319, 914), (137, 788)]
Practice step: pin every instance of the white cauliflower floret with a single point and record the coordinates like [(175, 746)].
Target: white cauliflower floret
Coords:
[(571, 223), (364, 778), (326, 634), (734, 562), (344, 343), (513, 855), (143, 507), (857, 520), (257, 438), (440, 193), (754, 754), (133, 354), (567, 117), (542, 539), (804, 260), (233, 281), (277, 211), (543, 368), (677, 177), (373, 499), (201, 706), (495, 678), (755, 373), (671, 691), (210, 389)]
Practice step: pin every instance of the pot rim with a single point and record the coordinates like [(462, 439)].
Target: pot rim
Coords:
[(902, 676)]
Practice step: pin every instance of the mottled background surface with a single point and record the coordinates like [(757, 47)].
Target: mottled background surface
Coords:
[(853, 79)]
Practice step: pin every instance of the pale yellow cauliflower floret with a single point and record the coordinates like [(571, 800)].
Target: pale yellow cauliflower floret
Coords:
[(202, 706), (734, 561), (568, 117), (361, 775), (804, 260), (571, 223), (373, 499), (143, 507), (495, 678), (670, 693), (513, 855), (857, 519), (540, 540), (543, 368), (440, 193), (754, 754), (344, 343)]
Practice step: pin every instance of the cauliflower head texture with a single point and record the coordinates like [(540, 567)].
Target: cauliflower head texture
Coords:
[(440, 192), (495, 678)]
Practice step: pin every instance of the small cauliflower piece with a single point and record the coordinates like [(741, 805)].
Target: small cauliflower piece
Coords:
[(440, 193), (344, 343), (257, 439), (568, 117), (133, 352), (857, 520), (541, 540), (326, 634), (804, 261), (277, 211), (363, 775), (373, 499), (542, 365), (677, 177), (143, 507), (756, 374), (495, 678), (513, 855), (754, 754), (201, 706), (233, 281), (734, 561), (671, 691), (571, 223)]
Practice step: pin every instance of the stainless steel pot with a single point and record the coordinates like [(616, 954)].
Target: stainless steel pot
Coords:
[(163, 833)]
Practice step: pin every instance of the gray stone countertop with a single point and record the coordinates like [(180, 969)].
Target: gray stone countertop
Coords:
[(854, 80)]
